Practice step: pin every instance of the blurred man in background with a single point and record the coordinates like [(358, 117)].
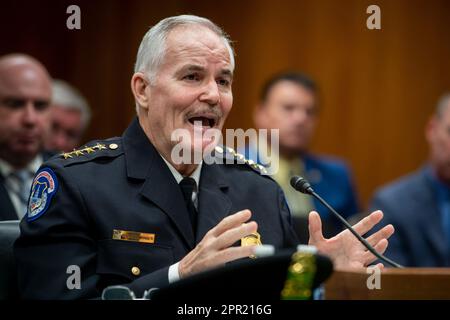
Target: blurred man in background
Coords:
[(70, 117), (25, 93), (418, 205), (288, 102)]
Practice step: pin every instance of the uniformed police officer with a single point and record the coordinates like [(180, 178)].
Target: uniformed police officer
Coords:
[(124, 212)]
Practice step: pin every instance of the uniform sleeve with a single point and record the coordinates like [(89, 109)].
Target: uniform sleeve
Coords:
[(58, 244)]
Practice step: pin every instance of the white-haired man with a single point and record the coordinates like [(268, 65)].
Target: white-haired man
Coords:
[(125, 212), (70, 116)]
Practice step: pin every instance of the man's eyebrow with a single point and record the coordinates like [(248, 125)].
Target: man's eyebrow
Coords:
[(12, 98), (198, 68), (192, 67), (226, 72)]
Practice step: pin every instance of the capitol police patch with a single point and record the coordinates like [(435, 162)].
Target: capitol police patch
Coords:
[(42, 190)]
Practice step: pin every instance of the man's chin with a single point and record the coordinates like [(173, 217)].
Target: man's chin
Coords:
[(21, 156), (32, 146)]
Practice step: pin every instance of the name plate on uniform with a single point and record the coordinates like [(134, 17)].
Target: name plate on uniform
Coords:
[(133, 236)]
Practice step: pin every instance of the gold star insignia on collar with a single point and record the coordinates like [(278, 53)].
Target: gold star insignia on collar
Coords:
[(262, 169), (231, 150), (99, 146), (78, 153), (250, 162), (89, 150), (84, 151), (66, 155), (241, 159)]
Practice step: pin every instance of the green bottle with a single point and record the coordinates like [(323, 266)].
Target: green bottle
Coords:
[(300, 275)]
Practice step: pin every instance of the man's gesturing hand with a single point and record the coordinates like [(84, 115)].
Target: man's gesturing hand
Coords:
[(345, 250), (215, 248)]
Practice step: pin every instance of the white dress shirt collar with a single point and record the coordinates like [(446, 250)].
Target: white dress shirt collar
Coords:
[(6, 169), (178, 177)]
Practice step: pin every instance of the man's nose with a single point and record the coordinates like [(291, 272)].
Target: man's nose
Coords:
[(30, 114), (211, 94), (300, 116)]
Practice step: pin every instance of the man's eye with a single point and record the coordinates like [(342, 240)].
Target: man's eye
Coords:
[(311, 112), (223, 82), (14, 103), (41, 105), (192, 77)]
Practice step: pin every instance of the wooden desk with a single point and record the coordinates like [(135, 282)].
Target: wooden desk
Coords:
[(400, 284)]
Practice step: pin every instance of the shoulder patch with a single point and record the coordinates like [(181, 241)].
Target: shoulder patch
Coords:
[(43, 189)]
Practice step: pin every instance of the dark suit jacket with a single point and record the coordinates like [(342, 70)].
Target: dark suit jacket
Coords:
[(409, 204), (7, 210), (131, 188)]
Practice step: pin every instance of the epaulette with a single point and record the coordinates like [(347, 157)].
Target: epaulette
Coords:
[(110, 147), (230, 154)]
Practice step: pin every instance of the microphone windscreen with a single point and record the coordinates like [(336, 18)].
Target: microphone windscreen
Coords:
[(295, 181)]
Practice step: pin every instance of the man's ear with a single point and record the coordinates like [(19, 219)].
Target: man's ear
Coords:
[(139, 84)]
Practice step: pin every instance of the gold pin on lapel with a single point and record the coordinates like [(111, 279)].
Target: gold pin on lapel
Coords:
[(133, 236), (250, 240)]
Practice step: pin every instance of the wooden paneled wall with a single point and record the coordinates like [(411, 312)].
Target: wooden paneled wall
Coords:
[(377, 87)]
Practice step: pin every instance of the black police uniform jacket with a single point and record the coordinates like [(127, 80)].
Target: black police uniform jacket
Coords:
[(123, 184)]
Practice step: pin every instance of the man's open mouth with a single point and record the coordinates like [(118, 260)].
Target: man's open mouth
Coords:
[(204, 121)]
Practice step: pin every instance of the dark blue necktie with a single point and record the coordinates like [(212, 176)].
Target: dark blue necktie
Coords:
[(23, 191), (188, 186)]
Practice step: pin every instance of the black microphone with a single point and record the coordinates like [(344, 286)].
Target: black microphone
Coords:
[(302, 185)]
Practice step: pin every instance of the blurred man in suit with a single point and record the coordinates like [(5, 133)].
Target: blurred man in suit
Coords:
[(418, 205), (70, 117), (25, 93), (288, 102)]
